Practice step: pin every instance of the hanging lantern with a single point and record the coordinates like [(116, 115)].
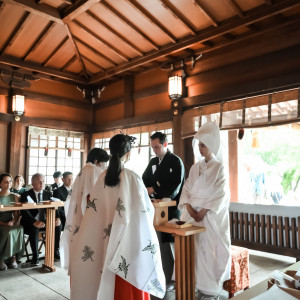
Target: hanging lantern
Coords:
[(175, 87)]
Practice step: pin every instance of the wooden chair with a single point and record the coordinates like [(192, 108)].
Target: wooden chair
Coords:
[(42, 240)]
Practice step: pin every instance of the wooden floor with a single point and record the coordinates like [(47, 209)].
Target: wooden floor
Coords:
[(27, 282)]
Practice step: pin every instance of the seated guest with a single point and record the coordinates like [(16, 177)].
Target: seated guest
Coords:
[(34, 219), (57, 182), (11, 232), (62, 193), (85, 180), (19, 185)]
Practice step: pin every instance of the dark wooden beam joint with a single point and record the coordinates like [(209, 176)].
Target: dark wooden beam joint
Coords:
[(91, 92)]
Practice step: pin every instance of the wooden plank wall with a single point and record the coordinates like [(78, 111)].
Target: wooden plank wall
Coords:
[(273, 234)]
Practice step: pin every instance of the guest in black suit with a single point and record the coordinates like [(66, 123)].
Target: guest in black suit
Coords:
[(62, 193), (33, 220), (57, 182)]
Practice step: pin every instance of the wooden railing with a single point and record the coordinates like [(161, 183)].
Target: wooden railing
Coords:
[(274, 234)]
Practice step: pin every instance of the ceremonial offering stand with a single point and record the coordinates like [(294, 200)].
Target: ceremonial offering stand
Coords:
[(50, 228), (184, 250)]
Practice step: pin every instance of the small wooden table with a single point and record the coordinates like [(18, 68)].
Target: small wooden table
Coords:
[(50, 228), (184, 259)]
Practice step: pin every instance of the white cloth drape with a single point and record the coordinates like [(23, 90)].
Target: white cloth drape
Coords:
[(76, 205), (207, 187), (117, 237)]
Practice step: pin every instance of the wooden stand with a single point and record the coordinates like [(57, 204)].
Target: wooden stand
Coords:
[(161, 211), (184, 260), (50, 226)]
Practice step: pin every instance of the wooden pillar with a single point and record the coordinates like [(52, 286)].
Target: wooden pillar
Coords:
[(177, 130), (233, 164), (188, 154), (128, 97), (15, 137)]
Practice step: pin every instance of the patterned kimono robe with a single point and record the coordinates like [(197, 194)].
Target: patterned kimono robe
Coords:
[(207, 187), (75, 208), (117, 236)]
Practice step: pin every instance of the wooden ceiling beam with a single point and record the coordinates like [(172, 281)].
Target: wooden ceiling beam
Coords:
[(153, 20), (253, 16), (2, 5), (235, 7), (129, 23), (39, 70), (79, 7), (50, 56), (210, 17), (71, 39), (43, 10), (121, 37), (178, 15), (102, 41), (95, 51), (16, 31), (68, 63), (92, 62), (40, 38)]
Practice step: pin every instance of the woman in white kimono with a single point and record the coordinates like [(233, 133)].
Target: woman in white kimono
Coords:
[(76, 202), (205, 202), (116, 254)]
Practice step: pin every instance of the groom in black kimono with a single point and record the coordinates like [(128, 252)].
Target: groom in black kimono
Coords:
[(164, 178)]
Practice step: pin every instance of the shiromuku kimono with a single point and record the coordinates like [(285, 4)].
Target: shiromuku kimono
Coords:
[(207, 187), (76, 205), (117, 237)]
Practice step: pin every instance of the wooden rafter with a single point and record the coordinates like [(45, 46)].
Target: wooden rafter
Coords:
[(235, 7), (129, 23), (42, 10), (68, 63), (121, 37), (211, 18), (92, 62), (38, 69), (95, 51), (153, 20), (201, 37), (102, 41), (40, 38), (16, 31), (50, 56), (178, 15), (76, 9), (71, 39)]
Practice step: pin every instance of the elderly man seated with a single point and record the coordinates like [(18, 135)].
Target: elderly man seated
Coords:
[(33, 220)]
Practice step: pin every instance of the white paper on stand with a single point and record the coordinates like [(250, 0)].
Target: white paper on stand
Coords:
[(30, 200), (274, 293), (54, 199)]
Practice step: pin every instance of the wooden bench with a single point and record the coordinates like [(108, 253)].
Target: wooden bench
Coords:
[(268, 228)]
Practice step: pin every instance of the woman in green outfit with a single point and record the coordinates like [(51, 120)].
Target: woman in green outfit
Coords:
[(11, 232), (18, 185)]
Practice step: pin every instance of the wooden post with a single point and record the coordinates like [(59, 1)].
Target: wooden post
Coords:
[(177, 133), (128, 97), (15, 147), (233, 165)]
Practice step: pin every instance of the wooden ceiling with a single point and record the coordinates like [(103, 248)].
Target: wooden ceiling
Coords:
[(91, 41)]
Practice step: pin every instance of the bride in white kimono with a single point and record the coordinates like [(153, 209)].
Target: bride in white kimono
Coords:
[(116, 254), (205, 202), (76, 202)]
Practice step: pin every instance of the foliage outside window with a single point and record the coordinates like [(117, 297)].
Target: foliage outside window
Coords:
[(53, 150)]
